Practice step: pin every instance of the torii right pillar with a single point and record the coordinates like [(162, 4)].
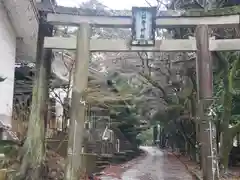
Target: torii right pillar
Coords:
[(209, 162)]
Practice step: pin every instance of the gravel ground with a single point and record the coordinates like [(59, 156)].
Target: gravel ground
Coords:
[(156, 165)]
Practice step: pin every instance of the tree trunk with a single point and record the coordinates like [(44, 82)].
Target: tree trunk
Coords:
[(226, 144), (34, 146), (226, 132), (225, 149)]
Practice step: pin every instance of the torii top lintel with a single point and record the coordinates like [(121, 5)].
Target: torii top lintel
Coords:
[(164, 20), (126, 21)]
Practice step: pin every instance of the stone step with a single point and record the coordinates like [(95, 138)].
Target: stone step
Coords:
[(99, 163), (99, 168)]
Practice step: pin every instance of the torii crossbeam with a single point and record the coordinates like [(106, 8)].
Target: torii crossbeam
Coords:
[(102, 45)]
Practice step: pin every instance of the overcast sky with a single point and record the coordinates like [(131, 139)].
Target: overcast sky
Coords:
[(113, 4)]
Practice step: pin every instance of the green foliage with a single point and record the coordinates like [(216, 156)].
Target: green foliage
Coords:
[(128, 122), (146, 137), (8, 147), (126, 112), (122, 83), (227, 76), (10, 150)]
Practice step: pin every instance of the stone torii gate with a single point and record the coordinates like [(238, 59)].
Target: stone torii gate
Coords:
[(203, 45)]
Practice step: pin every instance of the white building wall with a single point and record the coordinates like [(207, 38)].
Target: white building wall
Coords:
[(7, 63)]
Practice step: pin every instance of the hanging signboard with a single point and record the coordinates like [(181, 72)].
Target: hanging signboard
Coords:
[(143, 26)]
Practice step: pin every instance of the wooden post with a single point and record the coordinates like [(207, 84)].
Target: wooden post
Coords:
[(205, 85), (238, 139), (48, 65), (74, 164), (197, 129)]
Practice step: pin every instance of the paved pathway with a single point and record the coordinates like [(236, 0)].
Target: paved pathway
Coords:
[(157, 165)]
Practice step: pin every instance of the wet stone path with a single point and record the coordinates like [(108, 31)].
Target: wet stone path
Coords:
[(157, 165)]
